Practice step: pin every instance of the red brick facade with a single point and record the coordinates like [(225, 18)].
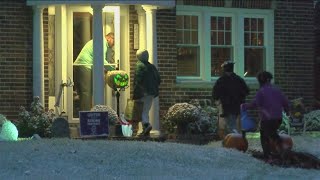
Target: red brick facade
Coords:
[(15, 56), (293, 50), (317, 52), (294, 42)]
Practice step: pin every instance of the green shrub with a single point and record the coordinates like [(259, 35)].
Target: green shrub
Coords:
[(206, 123), (35, 121), (196, 119), (312, 120), (112, 114)]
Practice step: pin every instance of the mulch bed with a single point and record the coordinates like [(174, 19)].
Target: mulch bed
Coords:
[(198, 139), (290, 159)]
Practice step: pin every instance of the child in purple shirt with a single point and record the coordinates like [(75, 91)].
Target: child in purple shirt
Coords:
[(270, 102)]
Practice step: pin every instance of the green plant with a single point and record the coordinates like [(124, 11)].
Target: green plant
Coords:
[(312, 120), (206, 123), (35, 121), (112, 114), (190, 118), (180, 114)]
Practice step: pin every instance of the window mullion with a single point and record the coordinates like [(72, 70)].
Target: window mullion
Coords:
[(239, 44), (205, 48)]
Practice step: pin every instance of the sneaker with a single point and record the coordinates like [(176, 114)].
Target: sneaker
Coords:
[(146, 130)]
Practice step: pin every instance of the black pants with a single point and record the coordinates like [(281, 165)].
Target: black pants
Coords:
[(83, 82), (268, 133)]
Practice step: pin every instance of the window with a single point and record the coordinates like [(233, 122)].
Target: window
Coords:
[(221, 46), (188, 46), (253, 46), (208, 36)]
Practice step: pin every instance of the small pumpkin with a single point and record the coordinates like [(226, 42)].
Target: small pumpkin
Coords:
[(235, 141), (117, 79), (287, 143)]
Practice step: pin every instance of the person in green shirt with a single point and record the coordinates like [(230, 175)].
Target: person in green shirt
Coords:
[(83, 70)]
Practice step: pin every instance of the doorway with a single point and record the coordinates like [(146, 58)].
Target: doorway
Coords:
[(80, 31)]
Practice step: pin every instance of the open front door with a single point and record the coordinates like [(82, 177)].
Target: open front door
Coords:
[(80, 32)]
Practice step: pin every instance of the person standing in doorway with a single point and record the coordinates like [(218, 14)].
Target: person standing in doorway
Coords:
[(145, 87), (83, 70), (230, 90)]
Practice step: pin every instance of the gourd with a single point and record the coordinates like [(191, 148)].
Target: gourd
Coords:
[(235, 141), (117, 79)]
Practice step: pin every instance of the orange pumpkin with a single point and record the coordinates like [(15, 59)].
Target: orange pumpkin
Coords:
[(236, 141), (287, 143)]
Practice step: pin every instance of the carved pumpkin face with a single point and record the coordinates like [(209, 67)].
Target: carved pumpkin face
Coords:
[(235, 141), (117, 79), (121, 80)]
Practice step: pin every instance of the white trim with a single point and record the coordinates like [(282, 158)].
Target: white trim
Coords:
[(124, 53), (188, 8), (38, 56), (98, 54), (61, 71), (237, 15), (151, 35), (163, 3)]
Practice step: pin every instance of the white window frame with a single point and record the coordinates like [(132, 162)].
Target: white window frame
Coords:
[(198, 14), (237, 14)]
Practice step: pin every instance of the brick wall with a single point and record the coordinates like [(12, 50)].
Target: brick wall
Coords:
[(133, 19), (15, 56), (317, 51), (46, 54), (16, 31), (293, 54), (293, 47), (167, 63)]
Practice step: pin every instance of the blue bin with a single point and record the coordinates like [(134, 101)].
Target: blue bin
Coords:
[(247, 123)]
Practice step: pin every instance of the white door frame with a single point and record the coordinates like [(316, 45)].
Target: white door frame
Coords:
[(121, 54)]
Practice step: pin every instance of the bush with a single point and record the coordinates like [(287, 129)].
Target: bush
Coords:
[(192, 117), (37, 121), (180, 114), (112, 114), (207, 122), (312, 120)]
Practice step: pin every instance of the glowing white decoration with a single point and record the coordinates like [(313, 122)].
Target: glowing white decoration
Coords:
[(8, 131)]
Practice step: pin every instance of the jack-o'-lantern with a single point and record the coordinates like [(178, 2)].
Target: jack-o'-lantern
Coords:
[(235, 141), (117, 79), (286, 143)]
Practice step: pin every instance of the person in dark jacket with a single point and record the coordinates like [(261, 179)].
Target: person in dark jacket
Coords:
[(271, 102), (230, 90), (145, 87)]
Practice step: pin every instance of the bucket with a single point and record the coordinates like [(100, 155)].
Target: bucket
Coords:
[(247, 123)]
